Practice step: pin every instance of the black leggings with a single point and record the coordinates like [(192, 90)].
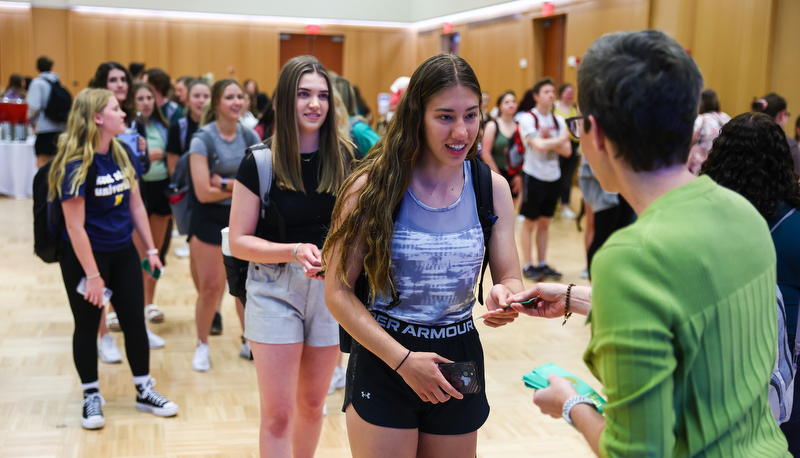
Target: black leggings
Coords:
[(123, 276), (606, 223)]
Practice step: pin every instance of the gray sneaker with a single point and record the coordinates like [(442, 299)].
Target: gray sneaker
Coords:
[(532, 273)]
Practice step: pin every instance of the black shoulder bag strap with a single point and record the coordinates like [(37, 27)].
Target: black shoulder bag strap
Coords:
[(484, 200)]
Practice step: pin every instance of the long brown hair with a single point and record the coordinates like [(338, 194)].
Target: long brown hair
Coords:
[(334, 150), (389, 168), (157, 115), (210, 109)]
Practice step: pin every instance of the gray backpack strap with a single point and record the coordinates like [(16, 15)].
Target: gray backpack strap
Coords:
[(263, 157), (183, 128), (211, 150)]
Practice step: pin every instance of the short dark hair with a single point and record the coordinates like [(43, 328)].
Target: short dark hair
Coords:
[(643, 90), (136, 69), (709, 102), (751, 156), (44, 64), (543, 82), (771, 104), (159, 79)]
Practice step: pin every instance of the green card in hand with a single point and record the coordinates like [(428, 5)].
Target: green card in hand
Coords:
[(537, 379)]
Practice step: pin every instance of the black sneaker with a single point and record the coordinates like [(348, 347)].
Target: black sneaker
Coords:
[(549, 273), (532, 273), (92, 409), (148, 400), (216, 325)]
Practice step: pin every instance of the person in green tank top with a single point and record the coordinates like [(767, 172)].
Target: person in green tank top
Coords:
[(683, 306), (497, 134)]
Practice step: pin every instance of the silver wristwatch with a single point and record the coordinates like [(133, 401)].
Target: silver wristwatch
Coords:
[(572, 402)]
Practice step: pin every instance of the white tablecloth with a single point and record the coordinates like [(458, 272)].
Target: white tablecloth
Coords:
[(17, 168)]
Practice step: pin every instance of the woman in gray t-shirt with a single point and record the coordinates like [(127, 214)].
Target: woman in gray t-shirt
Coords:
[(216, 150)]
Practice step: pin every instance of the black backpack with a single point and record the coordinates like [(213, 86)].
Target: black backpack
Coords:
[(48, 217), (484, 201), (59, 103)]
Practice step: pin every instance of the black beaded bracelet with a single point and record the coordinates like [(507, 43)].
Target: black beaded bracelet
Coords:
[(567, 313), (401, 362)]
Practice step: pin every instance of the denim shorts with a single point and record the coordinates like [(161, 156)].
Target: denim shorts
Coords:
[(284, 306)]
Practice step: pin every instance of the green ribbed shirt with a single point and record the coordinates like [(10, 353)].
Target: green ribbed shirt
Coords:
[(684, 329)]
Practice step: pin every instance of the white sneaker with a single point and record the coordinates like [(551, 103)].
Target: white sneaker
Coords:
[(337, 381), (585, 273), (324, 410), (154, 340), (182, 251), (245, 352), (201, 361), (567, 213), (107, 350)]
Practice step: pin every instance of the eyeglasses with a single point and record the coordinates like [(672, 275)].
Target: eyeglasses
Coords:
[(575, 125)]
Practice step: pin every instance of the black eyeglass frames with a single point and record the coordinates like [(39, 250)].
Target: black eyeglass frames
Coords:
[(575, 125)]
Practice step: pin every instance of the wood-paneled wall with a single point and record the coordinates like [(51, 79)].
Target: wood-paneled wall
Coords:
[(729, 39), (744, 48), (79, 42), (16, 43)]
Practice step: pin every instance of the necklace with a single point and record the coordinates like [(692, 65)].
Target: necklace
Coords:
[(310, 156)]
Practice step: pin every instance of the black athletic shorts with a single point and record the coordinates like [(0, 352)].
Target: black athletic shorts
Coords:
[(207, 220), (381, 397), (539, 198), (46, 143), (156, 199)]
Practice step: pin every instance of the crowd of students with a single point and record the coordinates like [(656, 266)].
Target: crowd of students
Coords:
[(381, 237)]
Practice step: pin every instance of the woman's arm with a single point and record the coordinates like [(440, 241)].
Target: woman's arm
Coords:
[(142, 225), (74, 217), (244, 244), (201, 181), (487, 145), (503, 257), (156, 154), (419, 370), (585, 417), (172, 161), (551, 300)]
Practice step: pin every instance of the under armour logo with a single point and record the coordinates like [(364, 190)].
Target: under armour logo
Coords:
[(365, 395)]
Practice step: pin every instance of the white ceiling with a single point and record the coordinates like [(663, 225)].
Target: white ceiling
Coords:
[(395, 11)]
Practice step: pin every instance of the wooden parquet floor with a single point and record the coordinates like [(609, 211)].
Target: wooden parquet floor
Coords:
[(40, 396)]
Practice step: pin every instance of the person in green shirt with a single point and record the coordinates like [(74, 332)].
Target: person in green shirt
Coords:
[(682, 308)]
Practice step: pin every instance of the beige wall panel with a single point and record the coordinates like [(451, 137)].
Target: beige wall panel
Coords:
[(259, 57), (88, 48), (374, 59), (787, 65), (49, 32), (16, 44), (587, 21), (677, 18), (428, 44), (183, 50), (734, 64), (494, 52)]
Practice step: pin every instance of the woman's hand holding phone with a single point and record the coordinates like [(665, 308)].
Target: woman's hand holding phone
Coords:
[(421, 372)]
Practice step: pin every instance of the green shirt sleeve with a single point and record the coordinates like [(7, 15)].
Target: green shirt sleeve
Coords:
[(632, 352)]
